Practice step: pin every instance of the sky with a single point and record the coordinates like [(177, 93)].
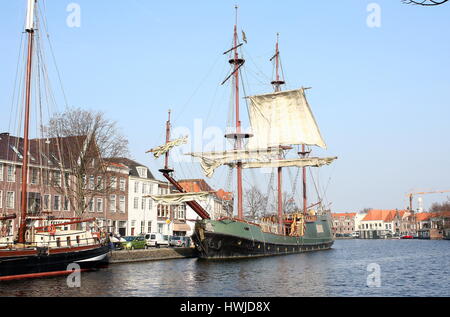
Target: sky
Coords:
[(379, 72)]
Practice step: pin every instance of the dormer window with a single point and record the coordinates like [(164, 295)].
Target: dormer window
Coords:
[(16, 151), (142, 171)]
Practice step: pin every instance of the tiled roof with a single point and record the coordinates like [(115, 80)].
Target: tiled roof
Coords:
[(200, 185), (343, 214), (383, 215)]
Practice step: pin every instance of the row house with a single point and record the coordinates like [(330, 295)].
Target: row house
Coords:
[(142, 210), (343, 224), (219, 204), (385, 223), (52, 183), (433, 225)]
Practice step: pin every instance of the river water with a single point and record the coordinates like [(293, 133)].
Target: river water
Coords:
[(350, 268)]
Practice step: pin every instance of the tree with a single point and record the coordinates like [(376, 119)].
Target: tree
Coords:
[(255, 203), (425, 2), (84, 141), (438, 207)]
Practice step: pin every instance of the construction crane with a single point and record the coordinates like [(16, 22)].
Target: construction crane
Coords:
[(410, 195)]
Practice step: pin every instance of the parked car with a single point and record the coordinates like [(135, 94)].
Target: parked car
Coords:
[(156, 239), (132, 243), (355, 235), (177, 241)]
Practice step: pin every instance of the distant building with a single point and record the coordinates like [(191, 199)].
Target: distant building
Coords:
[(433, 225), (384, 223), (343, 224)]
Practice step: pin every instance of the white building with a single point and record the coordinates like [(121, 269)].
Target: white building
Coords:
[(142, 211)]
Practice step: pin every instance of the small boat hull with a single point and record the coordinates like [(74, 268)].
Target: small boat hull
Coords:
[(29, 263), (227, 239)]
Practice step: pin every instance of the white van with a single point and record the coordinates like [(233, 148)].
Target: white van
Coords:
[(157, 239)]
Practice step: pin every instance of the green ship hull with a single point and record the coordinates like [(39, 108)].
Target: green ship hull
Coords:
[(232, 238)]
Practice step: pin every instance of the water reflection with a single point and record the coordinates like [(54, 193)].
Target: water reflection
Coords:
[(341, 271)]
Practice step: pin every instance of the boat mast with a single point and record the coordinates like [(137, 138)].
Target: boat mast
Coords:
[(237, 62), (29, 28), (166, 161), (277, 83)]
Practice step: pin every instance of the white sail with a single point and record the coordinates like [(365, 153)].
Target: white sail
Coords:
[(209, 161), (163, 149), (178, 198), (298, 162), (283, 118), (29, 26)]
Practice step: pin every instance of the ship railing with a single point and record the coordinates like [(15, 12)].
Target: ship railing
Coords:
[(67, 243)]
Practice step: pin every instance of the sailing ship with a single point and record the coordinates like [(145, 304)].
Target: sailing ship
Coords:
[(279, 121), (45, 245)]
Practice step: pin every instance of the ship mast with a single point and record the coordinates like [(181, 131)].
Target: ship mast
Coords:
[(29, 28), (277, 83), (238, 135)]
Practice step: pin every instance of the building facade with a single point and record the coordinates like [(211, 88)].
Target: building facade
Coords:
[(343, 224)]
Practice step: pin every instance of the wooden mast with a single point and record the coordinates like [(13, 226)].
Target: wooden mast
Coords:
[(277, 83), (238, 144), (30, 33)]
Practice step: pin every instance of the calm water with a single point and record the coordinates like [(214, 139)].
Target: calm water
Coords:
[(407, 268)]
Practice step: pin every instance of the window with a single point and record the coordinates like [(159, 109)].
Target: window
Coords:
[(122, 203), (91, 182), (1, 171), (66, 179), (46, 203), (57, 202), (91, 205), (150, 204), (11, 173), (142, 226), (113, 182), (142, 171), (136, 203), (112, 203), (10, 200), (99, 182), (66, 204), (99, 204), (149, 227), (57, 178), (1, 199), (143, 204), (144, 188), (136, 187), (122, 184), (34, 176)]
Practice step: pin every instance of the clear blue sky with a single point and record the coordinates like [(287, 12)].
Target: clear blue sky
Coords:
[(380, 95)]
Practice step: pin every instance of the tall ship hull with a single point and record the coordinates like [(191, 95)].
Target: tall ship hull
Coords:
[(233, 238), (39, 262)]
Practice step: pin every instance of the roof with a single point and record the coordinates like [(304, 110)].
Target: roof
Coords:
[(343, 214), (47, 151), (425, 216), (383, 215), (132, 165), (200, 185)]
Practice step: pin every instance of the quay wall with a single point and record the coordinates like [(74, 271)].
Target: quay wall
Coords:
[(126, 256)]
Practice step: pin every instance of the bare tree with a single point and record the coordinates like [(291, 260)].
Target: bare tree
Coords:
[(438, 207), (255, 203), (84, 141), (288, 205), (425, 2)]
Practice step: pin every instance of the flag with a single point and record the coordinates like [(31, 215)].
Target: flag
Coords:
[(244, 38)]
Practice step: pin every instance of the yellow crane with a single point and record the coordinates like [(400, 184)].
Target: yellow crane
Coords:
[(410, 195)]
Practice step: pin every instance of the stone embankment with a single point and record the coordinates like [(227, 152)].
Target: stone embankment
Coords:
[(126, 256)]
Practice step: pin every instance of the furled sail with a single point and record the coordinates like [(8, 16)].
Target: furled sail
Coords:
[(178, 198), (283, 118), (209, 161), (298, 162), (163, 149)]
